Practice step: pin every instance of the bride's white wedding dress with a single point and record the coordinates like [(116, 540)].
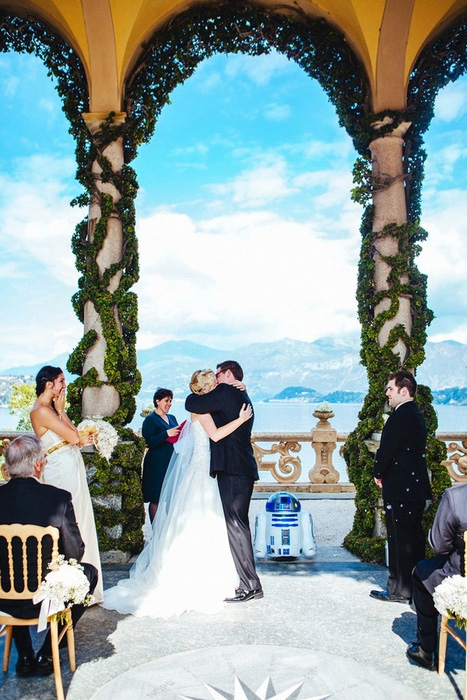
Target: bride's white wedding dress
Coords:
[(65, 469), (187, 564)]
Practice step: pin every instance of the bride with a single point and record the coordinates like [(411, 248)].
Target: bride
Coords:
[(187, 564)]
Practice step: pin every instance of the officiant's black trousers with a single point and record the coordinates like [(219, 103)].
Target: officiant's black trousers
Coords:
[(235, 492), (406, 543)]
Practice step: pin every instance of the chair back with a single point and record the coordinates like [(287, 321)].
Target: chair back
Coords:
[(25, 551)]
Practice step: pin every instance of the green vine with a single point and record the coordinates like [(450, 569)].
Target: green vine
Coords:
[(441, 62), (117, 309), (121, 477), (115, 487), (170, 57), (173, 53)]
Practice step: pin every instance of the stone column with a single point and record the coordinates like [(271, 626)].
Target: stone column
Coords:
[(103, 400), (390, 208)]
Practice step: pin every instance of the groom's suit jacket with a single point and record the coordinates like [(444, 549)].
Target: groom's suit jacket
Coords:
[(233, 454), (400, 460), (28, 502)]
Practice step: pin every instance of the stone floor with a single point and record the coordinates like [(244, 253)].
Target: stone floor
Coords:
[(316, 626)]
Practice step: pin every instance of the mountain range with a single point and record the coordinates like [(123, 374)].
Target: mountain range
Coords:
[(327, 366)]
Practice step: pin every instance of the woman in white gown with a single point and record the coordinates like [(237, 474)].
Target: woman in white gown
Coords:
[(187, 564), (65, 466)]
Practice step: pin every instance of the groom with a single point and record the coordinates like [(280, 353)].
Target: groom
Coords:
[(233, 462)]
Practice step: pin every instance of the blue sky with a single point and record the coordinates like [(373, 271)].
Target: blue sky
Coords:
[(245, 224)]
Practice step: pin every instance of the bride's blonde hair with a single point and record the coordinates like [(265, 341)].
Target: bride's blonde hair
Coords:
[(203, 380)]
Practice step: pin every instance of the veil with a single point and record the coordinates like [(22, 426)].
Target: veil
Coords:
[(176, 470), (171, 576)]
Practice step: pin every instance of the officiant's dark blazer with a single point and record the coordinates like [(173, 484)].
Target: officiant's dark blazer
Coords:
[(446, 538), (400, 460), (28, 502), (233, 454)]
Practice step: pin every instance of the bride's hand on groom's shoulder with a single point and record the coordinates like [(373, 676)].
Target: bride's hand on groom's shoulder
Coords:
[(239, 385), (246, 412)]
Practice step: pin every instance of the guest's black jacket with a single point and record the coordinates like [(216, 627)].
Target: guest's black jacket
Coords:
[(28, 502), (233, 454), (446, 537), (400, 460)]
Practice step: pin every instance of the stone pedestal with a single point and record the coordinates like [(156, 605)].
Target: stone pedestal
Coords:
[(324, 439)]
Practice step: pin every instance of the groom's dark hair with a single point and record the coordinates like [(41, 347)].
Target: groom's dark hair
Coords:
[(234, 368)]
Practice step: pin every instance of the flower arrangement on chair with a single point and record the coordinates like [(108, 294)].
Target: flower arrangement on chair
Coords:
[(64, 586), (450, 599)]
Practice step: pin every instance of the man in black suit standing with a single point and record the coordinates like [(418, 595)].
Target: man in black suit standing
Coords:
[(24, 500), (400, 471), (446, 538), (234, 465)]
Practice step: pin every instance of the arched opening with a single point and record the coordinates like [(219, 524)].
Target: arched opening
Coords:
[(247, 177)]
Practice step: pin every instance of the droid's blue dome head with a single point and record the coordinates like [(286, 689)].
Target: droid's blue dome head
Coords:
[(283, 502)]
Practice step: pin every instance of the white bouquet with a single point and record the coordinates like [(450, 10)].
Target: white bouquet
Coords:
[(450, 598), (106, 435), (63, 587)]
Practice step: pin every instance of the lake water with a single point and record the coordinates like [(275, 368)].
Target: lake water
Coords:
[(296, 417), (293, 417)]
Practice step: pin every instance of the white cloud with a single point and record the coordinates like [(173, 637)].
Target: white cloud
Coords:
[(260, 276), (443, 255), (451, 102), (258, 69), (277, 113), (259, 186), (336, 149), (11, 270), (37, 221), (49, 107)]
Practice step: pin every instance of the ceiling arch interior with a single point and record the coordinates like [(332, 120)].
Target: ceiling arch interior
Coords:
[(387, 35)]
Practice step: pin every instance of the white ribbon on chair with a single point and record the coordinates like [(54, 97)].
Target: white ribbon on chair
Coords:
[(49, 606)]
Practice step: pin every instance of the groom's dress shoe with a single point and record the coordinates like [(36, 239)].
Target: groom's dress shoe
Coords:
[(389, 597), (421, 657), (242, 596)]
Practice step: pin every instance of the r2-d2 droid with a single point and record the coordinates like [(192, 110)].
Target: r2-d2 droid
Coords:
[(284, 531)]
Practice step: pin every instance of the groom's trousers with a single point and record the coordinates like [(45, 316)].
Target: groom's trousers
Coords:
[(235, 492)]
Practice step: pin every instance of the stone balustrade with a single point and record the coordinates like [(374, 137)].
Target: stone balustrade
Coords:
[(304, 462)]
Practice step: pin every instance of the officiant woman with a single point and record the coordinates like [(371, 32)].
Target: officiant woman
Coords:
[(160, 429)]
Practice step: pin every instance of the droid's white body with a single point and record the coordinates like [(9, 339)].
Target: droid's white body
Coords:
[(284, 530)]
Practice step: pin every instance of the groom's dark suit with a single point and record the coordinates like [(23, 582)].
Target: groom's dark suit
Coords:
[(28, 502), (401, 465), (233, 462)]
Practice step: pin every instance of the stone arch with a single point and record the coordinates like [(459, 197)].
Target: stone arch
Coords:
[(104, 155), (174, 51)]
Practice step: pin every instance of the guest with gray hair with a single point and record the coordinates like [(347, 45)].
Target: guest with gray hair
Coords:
[(25, 500)]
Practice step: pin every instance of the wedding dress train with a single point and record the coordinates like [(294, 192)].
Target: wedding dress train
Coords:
[(187, 564)]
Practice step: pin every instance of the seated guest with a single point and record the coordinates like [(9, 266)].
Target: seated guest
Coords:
[(25, 500), (446, 540)]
